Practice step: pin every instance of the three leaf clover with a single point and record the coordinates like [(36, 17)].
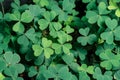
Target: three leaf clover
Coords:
[(45, 48), (25, 17), (86, 38), (99, 76), (98, 16), (113, 30), (110, 60)]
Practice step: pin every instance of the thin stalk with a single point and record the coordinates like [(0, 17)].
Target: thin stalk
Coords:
[(2, 8)]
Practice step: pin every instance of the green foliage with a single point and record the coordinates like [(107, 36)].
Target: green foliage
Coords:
[(60, 40)]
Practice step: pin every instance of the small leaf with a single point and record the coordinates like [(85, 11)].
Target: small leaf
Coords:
[(37, 49), (117, 12), (11, 58), (44, 3), (111, 24), (68, 29), (108, 36), (84, 32), (18, 27), (43, 24), (57, 47), (26, 17), (46, 43), (66, 48), (48, 52)]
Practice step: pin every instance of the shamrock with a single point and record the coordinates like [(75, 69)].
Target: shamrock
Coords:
[(45, 48), (113, 30), (90, 39)]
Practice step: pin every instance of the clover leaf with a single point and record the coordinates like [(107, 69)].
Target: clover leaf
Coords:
[(98, 16), (2, 76), (99, 76), (63, 37), (23, 40), (11, 58), (68, 29), (90, 39), (32, 71), (83, 76), (113, 6), (102, 48), (59, 48), (69, 59), (36, 10), (84, 68), (49, 16), (117, 75), (45, 48), (18, 27), (70, 5), (12, 67), (33, 36), (110, 60), (26, 16), (111, 32)]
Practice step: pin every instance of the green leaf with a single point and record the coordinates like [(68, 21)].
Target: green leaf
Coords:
[(111, 24), (117, 32), (108, 36), (15, 16), (37, 49), (112, 5), (18, 27), (102, 8), (66, 48), (2, 76), (1, 0), (27, 16), (36, 10), (44, 3), (92, 16), (84, 32), (99, 76), (110, 60), (19, 68), (57, 25), (46, 43), (117, 12), (84, 68), (83, 76), (48, 52), (70, 5), (43, 24), (90, 39), (68, 29), (81, 53), (57, 47), (22, 40), (117, 75), (49, 16), (64, 73), (11, 58), (32, 71)]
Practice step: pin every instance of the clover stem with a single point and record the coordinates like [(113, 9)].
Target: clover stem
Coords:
[(2, 8)]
